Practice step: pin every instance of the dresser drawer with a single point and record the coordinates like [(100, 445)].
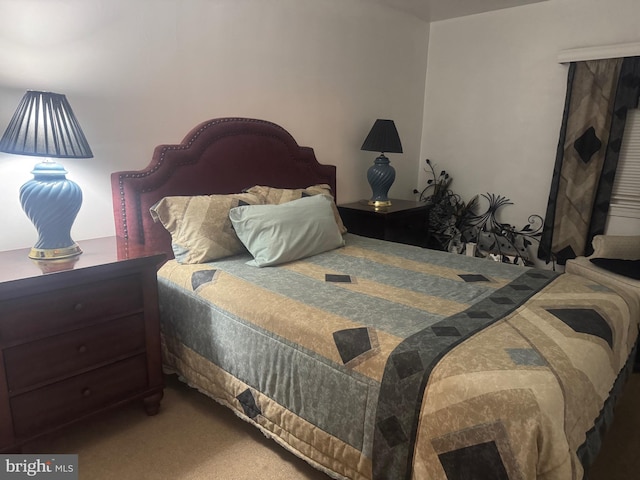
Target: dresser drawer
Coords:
[(64, 354), (76, 396), (33, 316)]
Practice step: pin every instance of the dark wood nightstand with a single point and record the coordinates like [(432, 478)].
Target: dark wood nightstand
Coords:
[(404, 221), (77, 337)]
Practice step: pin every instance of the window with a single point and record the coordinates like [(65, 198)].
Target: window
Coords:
[(625, 199)]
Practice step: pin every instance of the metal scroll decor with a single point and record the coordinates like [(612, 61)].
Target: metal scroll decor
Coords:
[(501, 241)]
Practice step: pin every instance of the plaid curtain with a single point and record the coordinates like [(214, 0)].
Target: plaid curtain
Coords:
[(599, 94)]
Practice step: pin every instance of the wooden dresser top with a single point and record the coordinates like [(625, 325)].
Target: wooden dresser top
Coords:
[(103, 252)]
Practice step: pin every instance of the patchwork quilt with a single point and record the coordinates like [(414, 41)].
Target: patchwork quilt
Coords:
[(386, 361)]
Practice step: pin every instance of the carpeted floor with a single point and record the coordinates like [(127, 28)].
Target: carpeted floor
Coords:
[(194, 438)]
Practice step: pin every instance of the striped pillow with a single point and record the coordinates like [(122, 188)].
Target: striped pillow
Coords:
[(199, 225)]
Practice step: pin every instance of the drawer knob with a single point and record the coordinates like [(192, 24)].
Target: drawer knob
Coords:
[(78, 306), (86, 392), (82, 348)]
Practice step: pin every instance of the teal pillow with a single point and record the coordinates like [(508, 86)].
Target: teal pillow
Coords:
[(276, 234)]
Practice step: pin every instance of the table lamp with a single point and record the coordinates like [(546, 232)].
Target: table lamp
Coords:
[(44, 125), (382, 138)]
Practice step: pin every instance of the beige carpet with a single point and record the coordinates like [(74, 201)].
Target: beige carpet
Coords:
[(194, 438)]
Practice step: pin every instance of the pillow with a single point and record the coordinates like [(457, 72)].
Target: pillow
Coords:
[(277, 196), (626, 247), (276, 234), (200, 227), (628, 268)]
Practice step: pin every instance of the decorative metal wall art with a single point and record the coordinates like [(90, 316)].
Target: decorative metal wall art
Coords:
[(504, 241), (453, 225)]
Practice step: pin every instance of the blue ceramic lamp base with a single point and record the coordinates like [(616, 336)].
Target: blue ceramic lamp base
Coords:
[(380, 176), (51, 202)]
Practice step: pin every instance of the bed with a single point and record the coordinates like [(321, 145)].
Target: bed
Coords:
[(370, 359)]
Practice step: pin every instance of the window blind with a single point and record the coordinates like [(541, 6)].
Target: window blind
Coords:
[(625, 198)]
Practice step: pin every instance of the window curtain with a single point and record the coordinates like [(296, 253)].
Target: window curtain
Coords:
[(599, 94)]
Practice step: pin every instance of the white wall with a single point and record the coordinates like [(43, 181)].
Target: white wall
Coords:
[(495, 94), (139, 73)]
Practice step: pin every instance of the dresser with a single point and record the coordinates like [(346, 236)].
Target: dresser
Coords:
[(77, 337), (404, 221)]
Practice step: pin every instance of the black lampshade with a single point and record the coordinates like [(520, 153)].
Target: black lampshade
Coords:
[(383, 137), (44, 126)]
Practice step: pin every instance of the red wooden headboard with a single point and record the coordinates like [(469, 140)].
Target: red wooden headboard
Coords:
[(219, 156)]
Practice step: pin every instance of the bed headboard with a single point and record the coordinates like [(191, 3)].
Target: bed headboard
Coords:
[(219, 156)]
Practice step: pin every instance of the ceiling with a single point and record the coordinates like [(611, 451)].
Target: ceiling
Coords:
[(434, 10)]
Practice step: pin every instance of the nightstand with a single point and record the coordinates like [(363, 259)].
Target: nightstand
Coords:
[(404, 221), (77, 337)]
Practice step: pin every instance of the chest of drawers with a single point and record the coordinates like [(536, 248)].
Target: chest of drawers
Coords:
[(78, 340)]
